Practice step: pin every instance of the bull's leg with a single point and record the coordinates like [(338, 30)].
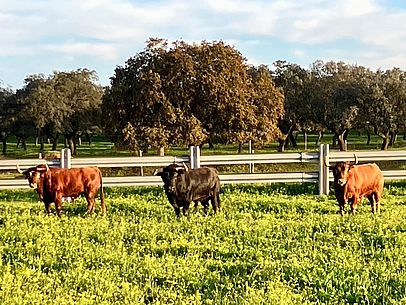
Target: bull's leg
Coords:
[(205, 204), (373, 203), (186, 208), (177, 211), (353, 201), (341, 206), (215, 202), (378, 202), (90, 203), (196, 205), (48, 208), (58, 204)]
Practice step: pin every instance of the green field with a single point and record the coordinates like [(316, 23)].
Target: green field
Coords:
[(102, 147), (279, 244)]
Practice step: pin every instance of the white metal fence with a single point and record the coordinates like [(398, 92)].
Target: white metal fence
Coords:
[(322, 177)]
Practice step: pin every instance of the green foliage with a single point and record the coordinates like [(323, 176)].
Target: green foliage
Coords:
[(182, 94), (270, 245)]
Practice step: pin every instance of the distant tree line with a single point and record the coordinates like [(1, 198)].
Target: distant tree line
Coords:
[(191, 94)]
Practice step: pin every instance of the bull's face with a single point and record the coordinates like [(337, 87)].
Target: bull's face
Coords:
[(340, 172), (169, 176), (34, 175)]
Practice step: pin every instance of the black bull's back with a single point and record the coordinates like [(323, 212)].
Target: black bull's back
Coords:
[(198, 184)]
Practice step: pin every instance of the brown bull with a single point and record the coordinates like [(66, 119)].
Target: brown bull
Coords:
[(353, 182), (52, 184)]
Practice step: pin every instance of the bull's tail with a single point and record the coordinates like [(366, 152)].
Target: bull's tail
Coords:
[(102, 201)]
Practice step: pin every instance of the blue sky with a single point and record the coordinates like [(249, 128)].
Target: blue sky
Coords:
[(42, 36)]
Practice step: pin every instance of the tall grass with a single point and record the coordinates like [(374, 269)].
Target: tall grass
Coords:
[(270, 245)]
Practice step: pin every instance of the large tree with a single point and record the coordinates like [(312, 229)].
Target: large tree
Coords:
[(269, 105), (8, 113), (385, 108), (296, 83), (182, 93), (337, 98), (65, 103)]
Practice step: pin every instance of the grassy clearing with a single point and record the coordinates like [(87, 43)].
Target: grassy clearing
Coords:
[(102, 147), (279, 244)]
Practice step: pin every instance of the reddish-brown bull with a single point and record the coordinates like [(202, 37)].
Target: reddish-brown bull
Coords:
[(353, 182), (52, 184)]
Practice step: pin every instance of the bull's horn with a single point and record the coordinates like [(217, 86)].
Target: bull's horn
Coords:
[(325, 162), (47, 167), (185, 166), (155, 172), (356, 159), (18, 169)]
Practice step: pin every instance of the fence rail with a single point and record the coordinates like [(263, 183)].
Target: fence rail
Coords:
[(323, 177)]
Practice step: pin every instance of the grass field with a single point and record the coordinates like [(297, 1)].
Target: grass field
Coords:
[(279, 244), (102, 147)]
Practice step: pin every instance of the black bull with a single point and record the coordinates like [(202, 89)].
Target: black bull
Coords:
[(182, 186), (52, 184)]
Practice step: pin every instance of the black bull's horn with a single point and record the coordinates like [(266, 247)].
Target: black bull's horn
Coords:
[(18, 169), (185, 166)]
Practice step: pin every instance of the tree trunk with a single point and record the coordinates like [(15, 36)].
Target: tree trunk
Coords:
[(41, 142), (305, 139), (24, 143), (368, 137), (385, 143), (211, 146), (70, 143), (89, 139), (320, 136), (4, 143), (239, 148), (342, 140), (282, 143), (71, 146), (334, 142), (393, 137), (54, 141), (161, 151), (292, 140)]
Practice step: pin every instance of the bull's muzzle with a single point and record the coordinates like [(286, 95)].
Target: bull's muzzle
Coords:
[(342, 182)]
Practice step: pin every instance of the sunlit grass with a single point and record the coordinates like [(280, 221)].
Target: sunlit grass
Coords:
[(279, 244)]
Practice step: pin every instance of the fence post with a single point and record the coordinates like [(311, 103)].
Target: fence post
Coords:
[(66, 158), (191, 157), (250, 151), (326, 169), (66, 162), (194, 157), (321, 169), (197, 156)]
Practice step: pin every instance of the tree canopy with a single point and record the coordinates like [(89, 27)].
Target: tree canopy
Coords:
[(187, 94)]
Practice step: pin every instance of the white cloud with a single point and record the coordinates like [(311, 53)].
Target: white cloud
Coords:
[(116, 29)]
